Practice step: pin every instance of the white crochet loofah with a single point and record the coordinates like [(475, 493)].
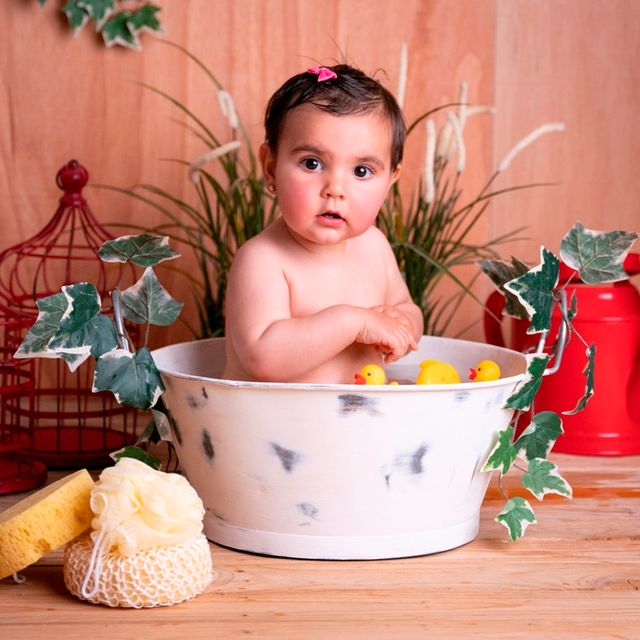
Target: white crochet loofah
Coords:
[(159, 576)]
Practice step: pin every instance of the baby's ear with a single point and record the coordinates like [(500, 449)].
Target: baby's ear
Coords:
[(395, 174), (267, 162)]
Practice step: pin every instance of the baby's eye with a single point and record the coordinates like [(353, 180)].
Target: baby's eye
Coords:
[(362, 172), (311, 164)]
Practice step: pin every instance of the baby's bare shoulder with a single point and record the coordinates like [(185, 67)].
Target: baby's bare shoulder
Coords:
[(374, 240), (265, 245)]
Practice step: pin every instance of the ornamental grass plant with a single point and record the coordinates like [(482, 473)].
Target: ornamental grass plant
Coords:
[(430, 231), (231, 204)]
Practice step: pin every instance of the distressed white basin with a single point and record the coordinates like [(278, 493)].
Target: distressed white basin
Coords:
[(338, 471)]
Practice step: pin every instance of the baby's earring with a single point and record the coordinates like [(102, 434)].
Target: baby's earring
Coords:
[(271, 188)]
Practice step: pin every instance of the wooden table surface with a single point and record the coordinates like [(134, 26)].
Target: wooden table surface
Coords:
[(576, 574)]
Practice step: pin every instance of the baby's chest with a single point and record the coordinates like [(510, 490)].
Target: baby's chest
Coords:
[(312, 290)]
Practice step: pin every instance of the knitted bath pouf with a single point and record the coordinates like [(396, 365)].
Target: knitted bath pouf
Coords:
[(155, 577)]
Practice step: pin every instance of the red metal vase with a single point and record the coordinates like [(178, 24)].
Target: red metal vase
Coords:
[(609, 317)]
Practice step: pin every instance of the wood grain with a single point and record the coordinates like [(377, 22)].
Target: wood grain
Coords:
[(575, 575), (570, 60)]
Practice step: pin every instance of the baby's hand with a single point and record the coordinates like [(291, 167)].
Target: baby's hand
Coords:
[(390, 335), (396, 314)]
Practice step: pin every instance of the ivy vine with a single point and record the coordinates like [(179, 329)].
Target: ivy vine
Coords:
[(118, 21)]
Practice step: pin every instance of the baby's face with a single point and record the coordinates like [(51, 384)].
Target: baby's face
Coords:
[(332, 173)]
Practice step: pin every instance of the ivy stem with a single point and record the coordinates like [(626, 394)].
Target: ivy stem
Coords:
[(121, 333), (504, 495), (565, 317)]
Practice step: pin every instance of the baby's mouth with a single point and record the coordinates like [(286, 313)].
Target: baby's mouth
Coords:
[(331, 215)]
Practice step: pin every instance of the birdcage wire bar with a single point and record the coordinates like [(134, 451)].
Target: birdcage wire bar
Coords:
[(19, 470)]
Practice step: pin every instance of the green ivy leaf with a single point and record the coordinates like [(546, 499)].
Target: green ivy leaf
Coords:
[(148, 301), (542, 477), (538, 438), (144, 250), (76, 15), (516, 516), (588, 372), (132, 378), (144, 19), (597, 255), (503, 454), (138, 454), (118, 31), (98, 10), (50, 312), (83, 330), (527, 388), (535, 288), (502, 272)]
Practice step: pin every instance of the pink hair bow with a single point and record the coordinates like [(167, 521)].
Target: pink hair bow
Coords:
[(323, 73)]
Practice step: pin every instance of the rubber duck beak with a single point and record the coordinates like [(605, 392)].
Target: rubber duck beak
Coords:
[(473, 374), (360, 379)]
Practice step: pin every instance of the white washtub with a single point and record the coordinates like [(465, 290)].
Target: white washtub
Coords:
[(338, 471)]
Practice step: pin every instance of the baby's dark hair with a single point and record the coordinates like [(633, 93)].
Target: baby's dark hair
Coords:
[(351, 93)]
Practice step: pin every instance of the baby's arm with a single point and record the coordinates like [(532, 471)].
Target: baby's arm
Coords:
[(271, 345), (399, 304)]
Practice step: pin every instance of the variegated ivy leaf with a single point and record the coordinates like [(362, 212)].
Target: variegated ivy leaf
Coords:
[(503, 454), (516, 516), (535, 288), (144, 250), (138, 454), (119, 31), (527, 388), (83, 330), (588, 373), (132, 378), (144, 19), (597, 255), (147, 301), (502, 272), (76, 15), (542, 477), (98, 10), (50, 312), (124, 26), (538, 438)]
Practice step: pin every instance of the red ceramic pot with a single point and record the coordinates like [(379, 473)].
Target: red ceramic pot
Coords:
[(609, 317)]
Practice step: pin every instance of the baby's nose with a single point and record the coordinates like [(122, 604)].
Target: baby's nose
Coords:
[(333, 187)]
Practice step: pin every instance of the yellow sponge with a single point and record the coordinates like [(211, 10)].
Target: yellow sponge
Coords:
[(44, 521)]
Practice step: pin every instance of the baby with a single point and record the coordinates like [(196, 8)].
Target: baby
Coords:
[(318, 294)]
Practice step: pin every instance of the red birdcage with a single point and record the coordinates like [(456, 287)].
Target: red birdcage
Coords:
[(72, 427), (19, 471)]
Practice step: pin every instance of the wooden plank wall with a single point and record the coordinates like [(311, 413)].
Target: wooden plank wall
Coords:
[(572, 60)]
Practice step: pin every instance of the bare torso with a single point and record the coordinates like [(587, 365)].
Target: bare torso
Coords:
[(356, 275)]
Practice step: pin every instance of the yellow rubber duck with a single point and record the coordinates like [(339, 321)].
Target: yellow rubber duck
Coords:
[(437, 372), (372, 374), (485, 370)]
